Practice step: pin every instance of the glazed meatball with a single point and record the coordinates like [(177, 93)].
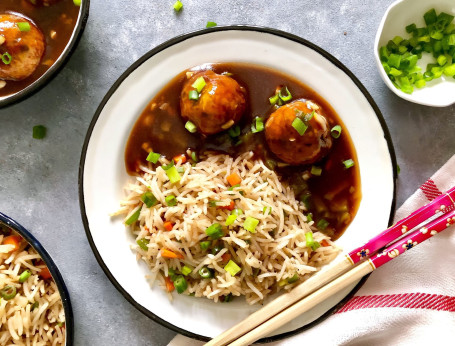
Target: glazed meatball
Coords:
[(24, 49), (221, 102), (286, 142)]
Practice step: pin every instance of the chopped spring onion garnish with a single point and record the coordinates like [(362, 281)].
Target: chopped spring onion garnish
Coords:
[(193, 95), (310, 242), (133, 218), (228, 298), (348, 163), (299, 126), (205, 272), (173, 175), (213, 203), (230, 219), (293, 279), (309, 217), (286, 97), (232, 268), (34, 306), (217, 249), (264, 210), (23, 26), (282, 283), (210, 24), (186, 270), (172, 274), (8, 292), (180, 284), (149, 199), (258, 125), (309, 116), (172, 172), (205, 244), (250, 224), (231, 188), (190, 127), (143, 243), (273, 99), (24, 276), (170, 200), (315, 170), (336, 131), (199, 84), (153, 157), (77, 2), (194, 156), (178, 6), (7, 58), (39, 132), (234, 131), (237, 212), (214, 231), (322, 224)]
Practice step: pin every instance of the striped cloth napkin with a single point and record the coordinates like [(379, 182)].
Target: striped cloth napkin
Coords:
[(409, 301)]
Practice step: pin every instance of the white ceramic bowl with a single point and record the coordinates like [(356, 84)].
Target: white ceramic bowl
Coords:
[(437, 93), (102, 174)]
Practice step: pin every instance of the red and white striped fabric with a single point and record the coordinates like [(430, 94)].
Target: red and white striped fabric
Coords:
[(409, 301)]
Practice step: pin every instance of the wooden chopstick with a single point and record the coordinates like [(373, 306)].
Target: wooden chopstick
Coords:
[(343, 264), (366, 267)]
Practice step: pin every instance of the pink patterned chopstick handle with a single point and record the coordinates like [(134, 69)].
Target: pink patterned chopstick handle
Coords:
[(444, 204), (416, 237)]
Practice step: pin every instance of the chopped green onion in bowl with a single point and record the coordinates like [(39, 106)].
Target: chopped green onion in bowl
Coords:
[(436, 39)]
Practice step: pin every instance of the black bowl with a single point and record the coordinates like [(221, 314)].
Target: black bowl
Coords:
[(58, 65), (69, 320)]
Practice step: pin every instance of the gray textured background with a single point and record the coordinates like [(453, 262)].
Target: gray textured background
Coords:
[(38, 179)]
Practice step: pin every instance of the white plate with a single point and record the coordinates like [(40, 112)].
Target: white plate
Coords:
[(439, 92), (103, 177)]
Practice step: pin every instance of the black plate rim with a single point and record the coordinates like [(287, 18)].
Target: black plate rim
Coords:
[(166, 45), (55, 68), (58, 279)]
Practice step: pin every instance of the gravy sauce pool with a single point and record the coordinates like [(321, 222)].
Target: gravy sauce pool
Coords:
[(334, 196), (60, 17)]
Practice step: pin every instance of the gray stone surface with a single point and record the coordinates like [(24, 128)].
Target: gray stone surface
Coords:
[(38, 179)]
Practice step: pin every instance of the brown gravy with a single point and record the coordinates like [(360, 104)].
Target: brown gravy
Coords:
[(60, 17), (334, 196)]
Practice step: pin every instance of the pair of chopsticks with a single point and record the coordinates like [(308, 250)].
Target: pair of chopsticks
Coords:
[(421, 225)]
